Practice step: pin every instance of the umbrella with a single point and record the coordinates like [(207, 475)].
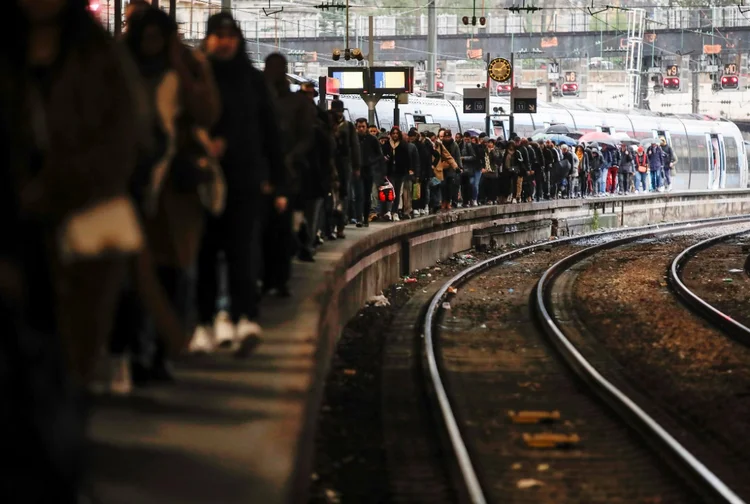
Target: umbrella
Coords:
[(560, 139), (472, 132), (559, 129), (598, 136), (646, 142), (624, 138)]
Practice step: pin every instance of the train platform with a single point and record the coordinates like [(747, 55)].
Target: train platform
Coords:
[(238, 431)]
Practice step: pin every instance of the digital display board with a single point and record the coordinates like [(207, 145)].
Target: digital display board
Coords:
[(347, 80), (673, 71), (389, 80), (730, 69)]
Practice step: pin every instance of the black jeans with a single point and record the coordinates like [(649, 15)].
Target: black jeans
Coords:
[(237, 233), (363, 196), (449, 190), (278, 248)]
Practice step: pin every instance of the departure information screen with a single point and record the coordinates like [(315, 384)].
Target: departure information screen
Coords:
[(390, 79), (350, 80)]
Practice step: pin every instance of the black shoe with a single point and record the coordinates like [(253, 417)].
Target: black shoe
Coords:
[(162, 372), (367, 223), (283, 292), (360, 224), (306, 255)]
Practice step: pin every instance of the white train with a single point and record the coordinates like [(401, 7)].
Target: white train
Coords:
[(711, 152)]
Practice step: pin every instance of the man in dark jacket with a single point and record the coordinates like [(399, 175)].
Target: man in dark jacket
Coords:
[(407, 192), (295, 118), (318, 179), (451, 181), (371, 158), (246, 141), (347, 159), (656, 164)]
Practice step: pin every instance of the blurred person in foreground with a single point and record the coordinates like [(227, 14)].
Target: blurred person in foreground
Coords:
[(246, 141), (296, 116), (70, 113), (172, 185)]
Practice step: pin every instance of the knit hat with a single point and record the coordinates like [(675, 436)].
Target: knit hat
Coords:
[(413, 132), (337, 105), (222, 20)]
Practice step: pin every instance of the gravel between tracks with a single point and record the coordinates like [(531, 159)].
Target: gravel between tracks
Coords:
[(717, 275), (351, 456), (675, 358), (496, 361)]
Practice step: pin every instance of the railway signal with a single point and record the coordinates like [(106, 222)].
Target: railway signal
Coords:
[(570, 86), (730, 80)]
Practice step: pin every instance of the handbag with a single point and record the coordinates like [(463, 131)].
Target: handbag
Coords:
[(385, 192), (416, 191), (642, 169), (110, 226)]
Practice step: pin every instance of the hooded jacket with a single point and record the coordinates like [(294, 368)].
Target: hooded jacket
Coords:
[(248, 123)]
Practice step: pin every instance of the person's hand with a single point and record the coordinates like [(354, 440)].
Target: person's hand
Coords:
[(280, 204), (356, 173), (218, 147)]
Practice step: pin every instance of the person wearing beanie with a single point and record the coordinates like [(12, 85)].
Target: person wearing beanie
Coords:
[(246, 142)]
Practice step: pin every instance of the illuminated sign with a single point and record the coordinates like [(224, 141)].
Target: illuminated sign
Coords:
[(730, 69), (570, 77), (673, 71), (392, 80), (350, 80)]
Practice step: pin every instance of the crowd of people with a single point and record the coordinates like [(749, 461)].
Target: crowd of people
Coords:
[(447, 170), (153, 193)]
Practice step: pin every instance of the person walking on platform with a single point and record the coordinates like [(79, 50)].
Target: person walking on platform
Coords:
[(656, 165), (642, 172), (167, 185), (451, 181), (398, 166), (318, 180), (424, 150), (70, 113), (295, 117), (669, 161), (626, 169), (371, 158), (347, 159), (245, 139), (412, 177)]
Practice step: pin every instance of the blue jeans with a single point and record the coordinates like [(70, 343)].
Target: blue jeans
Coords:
[(476, 177), (602, 182), (641, 181), (657, 179)]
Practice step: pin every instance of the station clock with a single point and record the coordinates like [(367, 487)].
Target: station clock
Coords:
[(499, 70)]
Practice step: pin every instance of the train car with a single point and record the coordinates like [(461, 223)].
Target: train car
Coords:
[(711, 152)]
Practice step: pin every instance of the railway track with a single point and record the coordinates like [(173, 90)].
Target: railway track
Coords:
[(724, 321), (619, 442)]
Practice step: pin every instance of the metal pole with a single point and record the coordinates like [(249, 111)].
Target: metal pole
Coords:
[(371, 63), (155, 3), (396, 112), (696, 93), (347, 25), (487, 120), (431, 46), (226, 5), (512, 85), (172, 9), (118, 18)]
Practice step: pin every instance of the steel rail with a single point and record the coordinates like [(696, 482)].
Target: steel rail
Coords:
[(695, 303), (458, 445), (617, 399)]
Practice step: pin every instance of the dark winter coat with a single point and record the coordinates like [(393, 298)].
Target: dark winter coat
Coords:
[(398, 161), (248, 123)]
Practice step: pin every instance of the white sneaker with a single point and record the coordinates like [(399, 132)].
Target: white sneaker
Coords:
[(416, 213), (203, 340), (120, 382), (396, 217), (388, 216), (224, 331), (248, 337)]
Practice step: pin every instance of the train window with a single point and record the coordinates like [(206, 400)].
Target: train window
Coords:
[(699, 155), (732, 155), (680, 148), (606, 129)]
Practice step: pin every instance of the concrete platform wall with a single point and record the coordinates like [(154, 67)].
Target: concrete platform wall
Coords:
[(383, 257)]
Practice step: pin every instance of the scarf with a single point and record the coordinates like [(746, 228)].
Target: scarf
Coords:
[(393, 144)]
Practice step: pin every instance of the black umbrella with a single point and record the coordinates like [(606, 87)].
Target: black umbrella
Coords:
[(562, 129)]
